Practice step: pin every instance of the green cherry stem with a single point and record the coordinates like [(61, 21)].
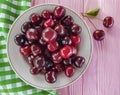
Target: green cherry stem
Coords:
[(89, 20)]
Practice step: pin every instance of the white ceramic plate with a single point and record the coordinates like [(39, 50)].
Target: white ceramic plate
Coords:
[(20, 66)]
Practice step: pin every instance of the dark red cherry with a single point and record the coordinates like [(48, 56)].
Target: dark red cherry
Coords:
[(108, 22), (49, 34), (74, 51), (31, 59), (36, 50), (39, 62), (59, 67), (48, 65), (53, 46), (59, 12), (99, 35), (67, 61), (79, 61), (66, 41), (32, 34), (35, 19), (75, 40), (20, 39), (66, 52), (25, 50), (25, 26), (60, 30), (42, 42), (50, 76), (69, 71), (34, 70), (49, 23), (56, 57), (67, 20), (46, 14), (76, 29)]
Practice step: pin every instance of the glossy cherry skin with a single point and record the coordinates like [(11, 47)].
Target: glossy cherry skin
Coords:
[(48, 34), (66, 52), (56, 57), (35, 19), (53, 46), (108, 22), (46, 14), (42, 42), (20, 39), (36, 50), (79, 61), (30, 59), (34, 70), (50, 76), (99, 35), (67, 20), (25, 26), (49, 23), (59, 67), (76, 29), (59, 12), (60, 30), (69, 71), (39, 62), (25, 50), (48, 65), (67, 61), (75, 40), (66, 41), (74, 51), (32, 34)]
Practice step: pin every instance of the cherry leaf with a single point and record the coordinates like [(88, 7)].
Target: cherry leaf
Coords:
[(93, 13)]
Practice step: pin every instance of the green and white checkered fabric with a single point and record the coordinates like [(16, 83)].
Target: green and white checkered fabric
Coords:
[(10, 84)]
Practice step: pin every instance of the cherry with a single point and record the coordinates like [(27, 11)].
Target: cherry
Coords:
[(67, 20), (46, 14), (79, 61), (48, 65), (49, 34), (20, 39), (74, 51), (59, 12), (30, 59), (32, 34), (56, 57), (42, 42), (49, 23), (67, 61), (39, 29), (25, 50), (25, 26), (36, 50), (53, 46), (69, 71), (99, 35), (66, 41), (108, 22), (59, 67), (66, 51), (34, 70), (39, 62), (50, 76), (60, 30), (75, 40), (76, 29), (35, 19)]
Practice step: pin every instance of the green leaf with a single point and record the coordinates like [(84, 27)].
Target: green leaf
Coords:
[(93, 13)]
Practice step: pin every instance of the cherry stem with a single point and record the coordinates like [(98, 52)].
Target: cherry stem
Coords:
[(89, 20)]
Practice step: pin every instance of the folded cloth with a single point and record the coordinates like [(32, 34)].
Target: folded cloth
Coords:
[(10, 84)]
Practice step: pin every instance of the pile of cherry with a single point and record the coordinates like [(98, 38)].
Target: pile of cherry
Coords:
[(49, 42)]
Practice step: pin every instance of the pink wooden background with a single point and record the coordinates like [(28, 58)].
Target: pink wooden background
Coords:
[(103, 74)]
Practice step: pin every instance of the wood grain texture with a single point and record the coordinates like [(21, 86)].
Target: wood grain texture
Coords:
[(103, 74)]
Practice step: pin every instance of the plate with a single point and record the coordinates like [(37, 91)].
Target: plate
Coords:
[(20, 66)]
